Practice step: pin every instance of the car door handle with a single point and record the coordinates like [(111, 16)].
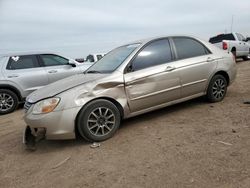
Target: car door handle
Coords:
[(13, 76), (209, 59), (169, 68), (52, 71)]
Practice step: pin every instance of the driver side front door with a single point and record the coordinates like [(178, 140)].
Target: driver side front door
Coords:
[(153, 79)]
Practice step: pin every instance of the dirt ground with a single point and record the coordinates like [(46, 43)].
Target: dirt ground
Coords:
[(192, 144)]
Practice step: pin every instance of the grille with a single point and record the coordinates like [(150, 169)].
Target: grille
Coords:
[(27, 106)]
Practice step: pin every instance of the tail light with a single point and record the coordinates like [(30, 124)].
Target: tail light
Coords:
[(224, 45)]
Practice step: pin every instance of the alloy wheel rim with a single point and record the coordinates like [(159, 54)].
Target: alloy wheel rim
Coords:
[(101, 121), (219, 88), (6, 102)]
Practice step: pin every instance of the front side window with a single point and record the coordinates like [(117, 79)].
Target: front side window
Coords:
[(53, 60), (22, 62), (156, 53), (188, 47)]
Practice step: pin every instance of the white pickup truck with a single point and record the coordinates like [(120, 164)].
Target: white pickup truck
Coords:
[(91, 58), (94, 57), (232, 42)]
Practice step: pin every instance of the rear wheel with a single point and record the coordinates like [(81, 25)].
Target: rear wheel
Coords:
[(8, 101), (98, 120), (245, 58), (234, 53), (217, 88)]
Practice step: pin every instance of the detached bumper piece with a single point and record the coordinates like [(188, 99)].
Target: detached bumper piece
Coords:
[(32, 136)]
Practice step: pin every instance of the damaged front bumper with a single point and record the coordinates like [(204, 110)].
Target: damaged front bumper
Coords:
[(32, 135)]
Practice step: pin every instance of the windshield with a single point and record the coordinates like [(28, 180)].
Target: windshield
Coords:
[(112, 60)]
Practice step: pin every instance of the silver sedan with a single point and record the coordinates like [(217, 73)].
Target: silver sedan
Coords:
[(130, 80)]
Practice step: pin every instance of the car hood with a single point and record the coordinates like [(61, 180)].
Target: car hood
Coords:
[(62, 85)]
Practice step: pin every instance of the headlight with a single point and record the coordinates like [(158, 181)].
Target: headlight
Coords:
[(45, 106)]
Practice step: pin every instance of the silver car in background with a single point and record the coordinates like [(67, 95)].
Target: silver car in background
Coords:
[(130, 80), (23, 73)]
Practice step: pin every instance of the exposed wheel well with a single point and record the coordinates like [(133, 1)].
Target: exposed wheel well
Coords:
[(13, 89), (117, 104), (233, 49), (223, 73)]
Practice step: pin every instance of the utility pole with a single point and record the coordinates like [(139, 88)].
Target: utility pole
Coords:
[(232, 23)]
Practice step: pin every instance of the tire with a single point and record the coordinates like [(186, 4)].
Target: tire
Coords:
[(217, 88), (98, 120), (234, 54), (8, 101), (245, 58)]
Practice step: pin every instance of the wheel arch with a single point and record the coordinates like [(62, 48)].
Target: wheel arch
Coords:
[(220, 72), (115, 102), (225, 74), (13, 89), (233, 49)]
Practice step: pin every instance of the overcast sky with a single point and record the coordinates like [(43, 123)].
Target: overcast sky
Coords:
[(76, 28)]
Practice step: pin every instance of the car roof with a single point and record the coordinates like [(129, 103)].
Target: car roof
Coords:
[(143, 41), (26, 53)]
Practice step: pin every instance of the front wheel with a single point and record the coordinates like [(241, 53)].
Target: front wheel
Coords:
[(8, 101), (98, 120), (217, 88)]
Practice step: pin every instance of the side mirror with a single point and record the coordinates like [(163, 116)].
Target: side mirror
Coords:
[(72, 63), (129, 68)]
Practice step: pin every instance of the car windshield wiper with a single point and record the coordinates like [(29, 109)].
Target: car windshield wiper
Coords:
[(93, 71)]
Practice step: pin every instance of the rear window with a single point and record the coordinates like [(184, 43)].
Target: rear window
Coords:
[(22, 62), (220, 38), (240, 37)]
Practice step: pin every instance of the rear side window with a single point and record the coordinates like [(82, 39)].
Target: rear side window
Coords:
[(22, 62), (53, 60), (188, 47), (220, 38), (155, 53)]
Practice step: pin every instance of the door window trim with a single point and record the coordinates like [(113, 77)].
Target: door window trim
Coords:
[(142, 48), (43, 64)]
